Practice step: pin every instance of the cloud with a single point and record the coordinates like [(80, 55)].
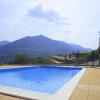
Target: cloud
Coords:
[(46, 15)]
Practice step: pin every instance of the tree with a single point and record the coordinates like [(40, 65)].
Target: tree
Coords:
[(66, 58), (77, 54), (20, 59)]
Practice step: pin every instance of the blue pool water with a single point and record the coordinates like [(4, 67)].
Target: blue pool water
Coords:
[(46, 79)]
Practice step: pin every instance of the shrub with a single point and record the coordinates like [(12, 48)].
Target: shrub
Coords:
[(42, 60)]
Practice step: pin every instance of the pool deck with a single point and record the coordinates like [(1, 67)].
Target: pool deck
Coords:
[(89, 86), (87, 89)]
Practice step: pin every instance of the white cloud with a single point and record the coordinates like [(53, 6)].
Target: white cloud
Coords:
[(46, 15)]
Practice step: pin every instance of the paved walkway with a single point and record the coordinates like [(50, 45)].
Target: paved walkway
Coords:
[(4, 97), (87, 89), (89, 86)]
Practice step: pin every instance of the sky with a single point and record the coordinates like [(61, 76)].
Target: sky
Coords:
[(72, 21)]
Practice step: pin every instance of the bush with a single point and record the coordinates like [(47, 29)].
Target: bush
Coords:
[(42, 60)]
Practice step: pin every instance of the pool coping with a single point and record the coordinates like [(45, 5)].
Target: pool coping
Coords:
[(62, 94)]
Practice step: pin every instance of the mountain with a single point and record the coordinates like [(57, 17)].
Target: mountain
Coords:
[(38, 46), (2, 43)]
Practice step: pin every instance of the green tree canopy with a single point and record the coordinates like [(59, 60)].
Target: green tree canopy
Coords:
[(20, 59)]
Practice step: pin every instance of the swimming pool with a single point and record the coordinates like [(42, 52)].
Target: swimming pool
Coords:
[(46, 80)]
